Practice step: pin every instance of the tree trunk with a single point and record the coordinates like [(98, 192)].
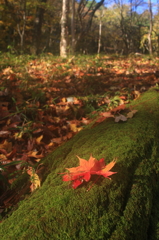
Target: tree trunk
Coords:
[(125, 207), (38, 27), (64, 29), (85, 16), (158, 45), (151, 27), (100, 34), (21, 27), (73, 26), (100, 28)]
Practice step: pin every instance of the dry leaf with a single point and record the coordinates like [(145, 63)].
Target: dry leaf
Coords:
[(6, 145), (34, 178), (106, 114), (131, 114), (74, 127), (120, 117), (38, 140)]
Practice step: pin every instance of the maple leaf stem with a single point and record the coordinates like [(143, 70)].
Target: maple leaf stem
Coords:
[(93, 183)]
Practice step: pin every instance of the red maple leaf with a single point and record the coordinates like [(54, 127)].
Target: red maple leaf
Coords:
[(87, 168)]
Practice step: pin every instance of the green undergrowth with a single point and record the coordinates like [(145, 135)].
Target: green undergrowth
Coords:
[(124, 208)]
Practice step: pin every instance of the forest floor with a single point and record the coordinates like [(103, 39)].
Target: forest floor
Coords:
[(45, 101)]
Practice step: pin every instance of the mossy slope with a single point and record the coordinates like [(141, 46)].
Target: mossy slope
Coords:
[(124, 208)]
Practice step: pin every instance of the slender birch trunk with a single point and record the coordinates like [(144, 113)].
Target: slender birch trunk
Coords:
[(21, 27), (64, 30), (100, 34), (100, 29)]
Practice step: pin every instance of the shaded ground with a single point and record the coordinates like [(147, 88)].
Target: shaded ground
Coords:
[(46, 101), (125, 207)]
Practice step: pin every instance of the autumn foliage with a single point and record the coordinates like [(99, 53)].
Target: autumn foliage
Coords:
[(44, 102), (87, 168)]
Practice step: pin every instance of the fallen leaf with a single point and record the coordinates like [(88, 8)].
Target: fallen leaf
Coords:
[(12, 153), (131, 114), (123, 97), (57, 140), (34, 154), (2, 157), (38, 140), (34, 178), (106, 114), (118, 109), (105, 171), (99, 120), (74, 127), (120, 117), (137, 94), (6, 145), (18, 135), (4, 133), (85, 121), (7, 71), (87, 168)]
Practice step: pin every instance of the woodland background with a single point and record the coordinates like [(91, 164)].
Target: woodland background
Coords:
[(118, 26)]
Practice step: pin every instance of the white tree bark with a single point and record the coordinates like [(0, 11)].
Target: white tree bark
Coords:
[(64, 29), (100, 35), (100, 28), (21, 29)]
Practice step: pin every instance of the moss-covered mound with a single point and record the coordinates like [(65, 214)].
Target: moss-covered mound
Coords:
[(124, 208)]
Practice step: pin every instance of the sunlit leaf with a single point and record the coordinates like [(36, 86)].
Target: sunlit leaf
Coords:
[(86, 168)]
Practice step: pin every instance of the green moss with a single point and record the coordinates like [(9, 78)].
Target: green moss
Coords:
[(121, 208)]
